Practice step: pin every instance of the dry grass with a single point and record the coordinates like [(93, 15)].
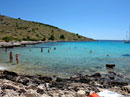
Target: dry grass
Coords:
[(17, 29)]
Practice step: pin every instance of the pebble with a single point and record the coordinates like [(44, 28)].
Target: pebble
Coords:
[(81, 93)]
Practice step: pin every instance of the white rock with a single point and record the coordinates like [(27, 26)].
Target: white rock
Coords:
[(81, 93)]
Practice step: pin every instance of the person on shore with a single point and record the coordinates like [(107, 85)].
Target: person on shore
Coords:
[(42, 49), (17, 58), (11, 57)]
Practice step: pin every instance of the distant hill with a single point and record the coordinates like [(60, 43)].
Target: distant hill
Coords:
[(17, 30)]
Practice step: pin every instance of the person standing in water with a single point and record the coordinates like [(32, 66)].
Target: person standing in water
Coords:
[(48, 50), (17, 58), (90, 51), (42, 49), (54, 48), (11, 57), (5, 49)]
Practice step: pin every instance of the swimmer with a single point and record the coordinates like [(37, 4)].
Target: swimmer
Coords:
[(107, 54), (90, 51), (54, 48)]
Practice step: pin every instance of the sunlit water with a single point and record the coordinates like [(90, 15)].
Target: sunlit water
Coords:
[(69, 58)]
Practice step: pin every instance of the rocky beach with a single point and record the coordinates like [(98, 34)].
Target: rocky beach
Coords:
[(15, 85), (17, 44)]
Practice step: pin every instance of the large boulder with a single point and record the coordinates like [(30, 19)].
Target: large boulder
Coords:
[(10, 75), (110, 65)]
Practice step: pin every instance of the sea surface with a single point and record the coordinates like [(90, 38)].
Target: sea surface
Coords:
[(69, 58)]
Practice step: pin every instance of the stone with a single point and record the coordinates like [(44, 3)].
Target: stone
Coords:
[(110, 65), (21, 91), (45, 95), (45, 78), (31, 95), (96, 75), (126, 88), (116, 83), (24, 81), (8, 87), (47, 85), (59, 85), (40, 91), (81, 93), (10, 75)]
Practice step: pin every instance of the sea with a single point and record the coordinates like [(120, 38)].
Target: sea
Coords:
[(65, 59)]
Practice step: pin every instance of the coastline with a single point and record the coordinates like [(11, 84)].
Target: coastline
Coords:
[(15, 85), (24, 43)]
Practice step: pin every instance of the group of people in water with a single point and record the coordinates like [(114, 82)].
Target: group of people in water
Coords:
[(17, 55), (48, 49), (11, 58)]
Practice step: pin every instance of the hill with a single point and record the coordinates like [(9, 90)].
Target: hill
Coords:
[(12, 29)]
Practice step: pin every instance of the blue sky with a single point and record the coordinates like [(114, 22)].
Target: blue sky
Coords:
[(98, 19)]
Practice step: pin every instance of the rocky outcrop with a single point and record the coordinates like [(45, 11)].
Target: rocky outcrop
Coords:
[(15, 85), (110, 65)]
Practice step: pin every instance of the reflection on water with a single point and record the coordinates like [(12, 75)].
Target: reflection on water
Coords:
[(69, 58)]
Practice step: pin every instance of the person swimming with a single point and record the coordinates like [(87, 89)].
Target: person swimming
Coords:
[(107, 54), (54, 48), (90, 51)]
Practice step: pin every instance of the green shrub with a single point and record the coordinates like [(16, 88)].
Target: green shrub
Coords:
[(52, 37), (8, 38), (33, 29), (78, 35), (43, 39), (19, 18), (62, 37), (37, 35), (29, 39)]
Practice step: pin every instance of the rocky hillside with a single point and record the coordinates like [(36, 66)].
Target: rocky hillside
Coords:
[(18, 29)]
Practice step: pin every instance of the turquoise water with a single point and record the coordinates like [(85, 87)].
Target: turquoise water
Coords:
[(69, 58)]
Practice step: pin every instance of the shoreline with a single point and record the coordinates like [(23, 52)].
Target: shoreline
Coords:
[(24, 43), (15, 85)]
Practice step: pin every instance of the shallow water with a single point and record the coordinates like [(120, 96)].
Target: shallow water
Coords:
[(69, 58)]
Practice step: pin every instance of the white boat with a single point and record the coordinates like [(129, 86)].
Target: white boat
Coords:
[(127, 38)]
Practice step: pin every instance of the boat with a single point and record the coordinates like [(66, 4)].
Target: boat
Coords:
[(127, 38)]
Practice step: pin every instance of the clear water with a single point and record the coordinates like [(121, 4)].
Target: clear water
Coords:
[(69, 58)]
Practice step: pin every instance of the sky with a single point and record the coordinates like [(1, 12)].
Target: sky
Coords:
[(98, 19)]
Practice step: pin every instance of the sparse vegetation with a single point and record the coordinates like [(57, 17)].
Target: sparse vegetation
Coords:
[(8, 38), (29, 30)]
